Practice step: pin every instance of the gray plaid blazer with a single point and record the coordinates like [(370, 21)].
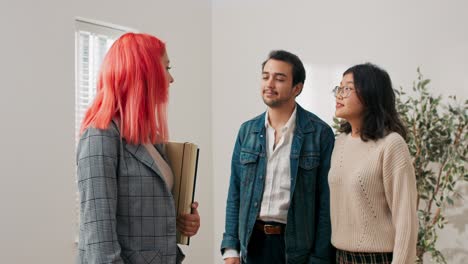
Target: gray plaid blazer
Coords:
[(127, 213)]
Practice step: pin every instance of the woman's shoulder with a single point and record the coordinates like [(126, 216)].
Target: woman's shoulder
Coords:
[(100, 138), (393, 138), (111, 131), (395, 143), (95, 141)]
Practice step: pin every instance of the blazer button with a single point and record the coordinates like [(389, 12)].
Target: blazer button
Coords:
[(255, 204)]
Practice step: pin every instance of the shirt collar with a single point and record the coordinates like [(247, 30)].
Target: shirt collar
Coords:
[(289, 125)]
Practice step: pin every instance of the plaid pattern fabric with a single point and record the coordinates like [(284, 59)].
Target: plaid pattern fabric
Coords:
[(345, 257), (127, 214)]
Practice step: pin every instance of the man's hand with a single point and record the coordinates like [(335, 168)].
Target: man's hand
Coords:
[(232, 261), (189, 224)]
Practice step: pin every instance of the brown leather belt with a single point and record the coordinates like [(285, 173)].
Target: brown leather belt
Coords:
[(269, 229)]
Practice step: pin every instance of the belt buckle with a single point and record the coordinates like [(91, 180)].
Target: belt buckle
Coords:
[(267, 229)]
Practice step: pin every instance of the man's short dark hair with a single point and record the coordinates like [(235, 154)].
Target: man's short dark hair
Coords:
[(298, 71)]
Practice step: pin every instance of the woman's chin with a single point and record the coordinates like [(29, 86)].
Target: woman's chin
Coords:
[(339, 114)]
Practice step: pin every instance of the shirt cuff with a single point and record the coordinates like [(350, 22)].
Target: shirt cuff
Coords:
[(230, 253)]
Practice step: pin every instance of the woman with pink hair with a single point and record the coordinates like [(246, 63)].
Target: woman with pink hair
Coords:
[(127, 212)]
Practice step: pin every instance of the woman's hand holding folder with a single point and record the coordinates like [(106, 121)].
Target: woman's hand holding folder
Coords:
[(189, 224)]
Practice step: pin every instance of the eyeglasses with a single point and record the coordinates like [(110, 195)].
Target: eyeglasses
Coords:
[(344, 91)]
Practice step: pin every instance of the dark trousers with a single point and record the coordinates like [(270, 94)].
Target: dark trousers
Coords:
[(266, 249)]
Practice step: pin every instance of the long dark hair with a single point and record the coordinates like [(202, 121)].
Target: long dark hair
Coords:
[(374, 89)]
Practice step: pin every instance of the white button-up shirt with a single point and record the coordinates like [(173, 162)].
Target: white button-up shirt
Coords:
[(276, 192)]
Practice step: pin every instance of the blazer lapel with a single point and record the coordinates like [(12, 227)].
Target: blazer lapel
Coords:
[(140, 153)]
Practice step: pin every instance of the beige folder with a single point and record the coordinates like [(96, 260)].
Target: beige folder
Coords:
[(183, 159)]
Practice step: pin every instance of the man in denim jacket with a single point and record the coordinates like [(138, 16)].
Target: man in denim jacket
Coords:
[(278, 202)]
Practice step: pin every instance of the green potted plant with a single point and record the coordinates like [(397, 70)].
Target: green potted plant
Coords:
[(438, 143)]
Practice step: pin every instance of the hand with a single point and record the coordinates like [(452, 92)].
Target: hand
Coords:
[(232, 261), (189, 224)]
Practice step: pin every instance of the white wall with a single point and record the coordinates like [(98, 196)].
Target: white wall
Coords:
[(37, 114), (329, 37)]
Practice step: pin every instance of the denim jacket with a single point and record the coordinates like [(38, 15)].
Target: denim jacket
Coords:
[(308, 228)]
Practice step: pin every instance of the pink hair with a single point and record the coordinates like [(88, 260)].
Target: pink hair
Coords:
[(133, 89)]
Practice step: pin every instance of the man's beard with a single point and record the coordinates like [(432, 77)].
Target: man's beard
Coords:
[(272, 103), (275, 102)]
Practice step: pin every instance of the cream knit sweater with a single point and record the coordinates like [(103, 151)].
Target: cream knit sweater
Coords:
[(373, 197)]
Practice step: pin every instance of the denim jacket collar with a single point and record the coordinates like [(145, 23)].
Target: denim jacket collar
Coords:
[(303, 124)]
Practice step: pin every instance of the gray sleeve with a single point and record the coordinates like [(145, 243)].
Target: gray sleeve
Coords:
[(97, 161)]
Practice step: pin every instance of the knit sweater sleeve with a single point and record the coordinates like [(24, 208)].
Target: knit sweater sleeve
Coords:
[(401, 195)]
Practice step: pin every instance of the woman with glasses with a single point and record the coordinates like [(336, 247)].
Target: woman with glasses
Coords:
[(372, 182)]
